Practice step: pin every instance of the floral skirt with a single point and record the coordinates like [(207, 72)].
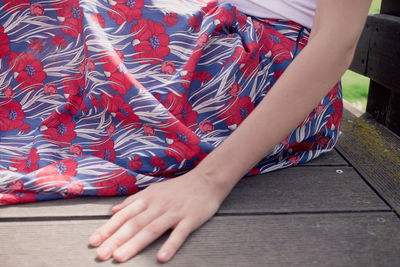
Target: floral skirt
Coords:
[(104, 98)]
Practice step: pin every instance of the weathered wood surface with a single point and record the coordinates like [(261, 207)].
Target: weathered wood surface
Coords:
[(307, 189), (391, 7), (378, 51), (363, 239), (375, 152)]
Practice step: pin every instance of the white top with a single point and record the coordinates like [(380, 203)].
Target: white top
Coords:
[(300, 11)]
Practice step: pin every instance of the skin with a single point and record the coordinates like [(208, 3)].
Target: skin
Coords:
[(197, 195)]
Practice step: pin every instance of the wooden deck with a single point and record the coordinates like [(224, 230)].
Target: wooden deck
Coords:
[(330, 212)]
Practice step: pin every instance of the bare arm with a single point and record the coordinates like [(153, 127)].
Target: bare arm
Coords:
[(188, 201)]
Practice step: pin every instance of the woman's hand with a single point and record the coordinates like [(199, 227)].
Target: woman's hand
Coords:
[(183, 204)]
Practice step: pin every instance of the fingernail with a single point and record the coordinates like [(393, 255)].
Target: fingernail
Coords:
[(104, 253), (121, 254), (164, 255), (95, 240)]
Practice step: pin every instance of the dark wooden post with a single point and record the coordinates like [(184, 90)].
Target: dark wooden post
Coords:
[(383, 65)]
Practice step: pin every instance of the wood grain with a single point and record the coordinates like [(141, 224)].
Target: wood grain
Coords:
[(275, 240), (375, 152), (306, 189)]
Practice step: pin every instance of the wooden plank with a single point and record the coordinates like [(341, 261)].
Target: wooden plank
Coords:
[(393, 116), (375, 152), (307, 189), (360, 59), (391, 7), (378, 101), (331, 158), (369, 239), (383, 64)]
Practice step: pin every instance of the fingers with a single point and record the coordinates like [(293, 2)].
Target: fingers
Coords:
[(175, 241), (118, 219), (142, 239), (124, 203), (130, 228)]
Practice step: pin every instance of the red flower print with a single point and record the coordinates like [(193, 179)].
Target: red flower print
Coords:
[(75, 188), (50, 89), (333, 93), (118, 183), (98, 18), (181, 109), (301, 147), (209, 8), (59, 128), (90, 64), (74, 92), (8, 92), (157, 162), (188, 117), (322, 140), (148, 130), (82, 67), (247, 58), (126, 10), (319, 109), (168, 67), (175, 103), (240, 18), (104, 149), (278, 74), (194, 23), (14, 5), (286, 140), (203, 76), (203, 39), (279, 45), (57, 174), (36, 45), (170, 19), (4, 40), (94, 101), (120, 82), (136, 163), (59, 40), (188, 72), (27, 70), (70, 14), (294, 159), (235, 90), (254, 171), (335, 119), (7, 199), (37, 9), (183, 143), (112, 103), (206, 126), (111, 130), (150, 41), (76, 150), (128, 118), (223, 17), (26, 164), (12, 116), (237, 110), (17, 186)]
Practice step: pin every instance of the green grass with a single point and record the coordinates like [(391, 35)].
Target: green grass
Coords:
[(355, 86)]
